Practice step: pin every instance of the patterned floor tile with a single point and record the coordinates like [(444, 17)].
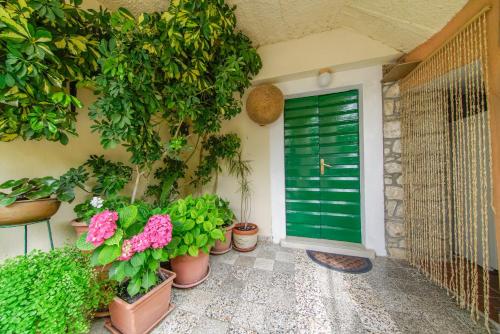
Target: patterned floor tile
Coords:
[(280, 290), (264, 264)]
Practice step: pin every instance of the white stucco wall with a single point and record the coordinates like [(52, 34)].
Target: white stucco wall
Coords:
[(367, 80)]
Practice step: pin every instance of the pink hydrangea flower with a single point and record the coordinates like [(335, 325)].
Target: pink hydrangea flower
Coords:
[(102, 226), (158, 230), (127, 251), (140, 242)]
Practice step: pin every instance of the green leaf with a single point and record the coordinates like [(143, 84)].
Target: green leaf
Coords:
[(134, 286), (117, 271), (109, 254), (127, 215), (7, 201), (130, 270), (188, 238), (138, 259), (94, 259), (116, 238), (217, 234), (82, 243), (193, 250), (188, 225), (13, 183), (21, 190), (207, 226), (157, 253), (201, 240), (182, 250), (11, 36), (148, 279), (43, 36)]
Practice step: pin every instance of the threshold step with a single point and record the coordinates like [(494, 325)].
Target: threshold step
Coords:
[(328, 246)]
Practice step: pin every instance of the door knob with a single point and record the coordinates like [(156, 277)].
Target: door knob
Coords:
[(322, 166)]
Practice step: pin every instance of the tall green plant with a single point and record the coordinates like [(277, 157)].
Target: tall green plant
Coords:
[(180, 72), (44, 45)]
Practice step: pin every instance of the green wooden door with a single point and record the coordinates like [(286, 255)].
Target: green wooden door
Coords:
[(323, 202)]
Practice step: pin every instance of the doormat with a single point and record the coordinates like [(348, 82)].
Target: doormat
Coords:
[(342, 263)]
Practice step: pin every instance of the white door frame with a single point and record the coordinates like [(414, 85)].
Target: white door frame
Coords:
[(367, 81)]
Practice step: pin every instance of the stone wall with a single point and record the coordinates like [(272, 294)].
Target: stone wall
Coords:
[(393, 179)]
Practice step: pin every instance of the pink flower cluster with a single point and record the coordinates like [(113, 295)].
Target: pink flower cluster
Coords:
[(102, 226), (157, 234)]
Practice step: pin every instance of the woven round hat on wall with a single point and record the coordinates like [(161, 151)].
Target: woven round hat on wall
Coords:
[(265, 104)]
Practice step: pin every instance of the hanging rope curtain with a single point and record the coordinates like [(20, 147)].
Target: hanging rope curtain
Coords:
[(447, 166)]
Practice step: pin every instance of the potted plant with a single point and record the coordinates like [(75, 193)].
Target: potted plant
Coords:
[(132, 240), (37, 199), (244, 232), (196, 227), (48, 292), (109, 179), (227, 216)]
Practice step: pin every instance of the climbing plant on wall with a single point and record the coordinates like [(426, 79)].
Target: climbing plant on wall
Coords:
[(168, 80), (44, 45)]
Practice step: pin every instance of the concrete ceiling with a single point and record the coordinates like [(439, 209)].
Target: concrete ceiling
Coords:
[(400, 24)]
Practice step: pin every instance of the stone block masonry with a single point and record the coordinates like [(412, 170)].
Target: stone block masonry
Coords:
[(393, 179)]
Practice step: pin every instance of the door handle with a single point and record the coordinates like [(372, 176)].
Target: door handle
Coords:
[(322, 166)]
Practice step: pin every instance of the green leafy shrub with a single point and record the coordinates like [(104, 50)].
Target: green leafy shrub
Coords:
[(47, 293), (45, 187), (197, 225), (44, 45)]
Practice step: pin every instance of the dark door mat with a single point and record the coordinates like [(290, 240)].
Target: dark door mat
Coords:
[(342, 263)]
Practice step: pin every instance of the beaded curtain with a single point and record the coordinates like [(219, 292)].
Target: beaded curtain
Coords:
[(447, 166)]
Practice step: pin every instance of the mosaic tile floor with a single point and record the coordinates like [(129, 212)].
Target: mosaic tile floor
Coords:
[(280, 290)]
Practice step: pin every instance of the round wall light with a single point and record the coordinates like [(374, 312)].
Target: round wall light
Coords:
[(324, 77)]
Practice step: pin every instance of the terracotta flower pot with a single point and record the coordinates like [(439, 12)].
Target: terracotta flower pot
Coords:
[(80, 227), (190, 270), (144, 314), (26, 211), (245, 240), (221, 247)]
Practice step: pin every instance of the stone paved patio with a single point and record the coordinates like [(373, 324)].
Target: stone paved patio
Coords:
[(280, 290)]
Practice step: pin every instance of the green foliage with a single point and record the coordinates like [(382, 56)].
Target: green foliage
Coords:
[(48, 293), (197, 225), (242, 169), (140, 272), (84, 211), (215, 150), (44, 45), (180, 72), (111, 177), (167, 177), (45, 187), (225, 212)]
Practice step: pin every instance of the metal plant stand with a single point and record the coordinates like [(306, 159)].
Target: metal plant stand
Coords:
[(47, 221)]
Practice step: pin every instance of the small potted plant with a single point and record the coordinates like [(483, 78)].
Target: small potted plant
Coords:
[(109, 179), (227, 215), (132, 240), (244, 232), (37, 199), (196, 227)]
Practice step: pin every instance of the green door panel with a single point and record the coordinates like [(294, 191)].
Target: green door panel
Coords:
[(323, 206)]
